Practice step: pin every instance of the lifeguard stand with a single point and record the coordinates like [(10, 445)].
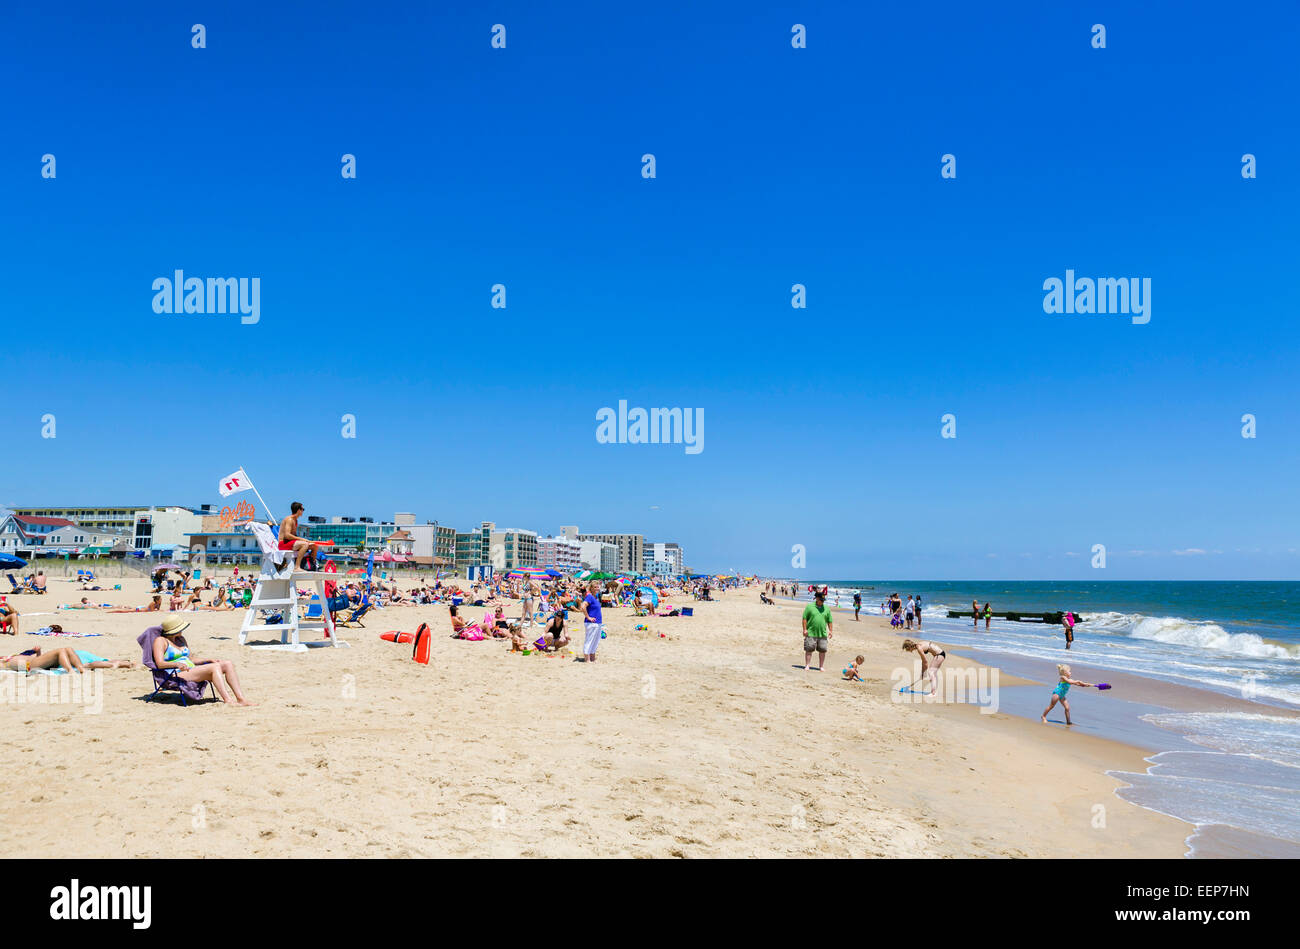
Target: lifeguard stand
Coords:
[(278, 590)]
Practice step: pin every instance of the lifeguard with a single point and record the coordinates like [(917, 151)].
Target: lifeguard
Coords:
[(288, 537)]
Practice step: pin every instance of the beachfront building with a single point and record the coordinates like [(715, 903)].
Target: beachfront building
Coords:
[(659, 568), (631, 549), (669, 555), (400, 542), (350, 533), (444, 545), (23, 535), (514, 547), (559, 552), (27, 536), (121, 518), (87, 541), (106, 517), (165, 531), (598, 555), (223, 547), (473, 549)]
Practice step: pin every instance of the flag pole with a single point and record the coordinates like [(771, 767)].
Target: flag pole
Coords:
[(266, 507)]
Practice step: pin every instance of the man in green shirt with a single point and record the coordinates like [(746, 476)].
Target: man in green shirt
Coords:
[(816, 631)]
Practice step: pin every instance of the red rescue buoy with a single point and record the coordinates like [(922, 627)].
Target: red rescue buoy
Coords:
[(423, 643)]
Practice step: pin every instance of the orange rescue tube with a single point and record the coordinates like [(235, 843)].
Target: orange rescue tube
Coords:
[(423, 643)]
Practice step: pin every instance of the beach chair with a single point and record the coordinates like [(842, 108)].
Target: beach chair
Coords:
[(17, 587), (168, 680), (354, 618)]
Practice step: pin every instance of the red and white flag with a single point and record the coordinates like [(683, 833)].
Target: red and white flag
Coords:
[(235, 483)]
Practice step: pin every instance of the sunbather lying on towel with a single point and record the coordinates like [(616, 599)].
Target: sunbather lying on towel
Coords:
[(33, 660), (171, 651), (155, 604)]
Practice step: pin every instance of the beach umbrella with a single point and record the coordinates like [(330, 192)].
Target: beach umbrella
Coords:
[(10, 562), (531, 572), (357, 570), (167, 566)]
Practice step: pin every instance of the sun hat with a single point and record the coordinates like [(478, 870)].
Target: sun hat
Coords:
[(173, 626)]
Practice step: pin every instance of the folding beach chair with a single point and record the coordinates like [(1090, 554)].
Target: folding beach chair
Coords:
[(354, 618), (17, 587), (168, 680)]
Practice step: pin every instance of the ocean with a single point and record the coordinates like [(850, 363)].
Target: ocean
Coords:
[(1238, 769)]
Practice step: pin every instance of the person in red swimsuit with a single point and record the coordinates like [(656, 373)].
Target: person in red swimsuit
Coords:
[(288, 536)]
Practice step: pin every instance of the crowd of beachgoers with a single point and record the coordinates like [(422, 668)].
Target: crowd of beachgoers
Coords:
[(529, 611)]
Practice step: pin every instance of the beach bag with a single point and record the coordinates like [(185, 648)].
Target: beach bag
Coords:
[(337, 602)]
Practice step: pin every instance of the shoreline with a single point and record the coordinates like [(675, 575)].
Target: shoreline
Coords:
[(1124, 720)]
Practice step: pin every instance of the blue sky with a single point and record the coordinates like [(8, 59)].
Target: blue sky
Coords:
[(775, 166)]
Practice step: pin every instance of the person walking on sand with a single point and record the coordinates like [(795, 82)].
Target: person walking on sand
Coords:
[(592, 622), (1062, 689), (817, 622)]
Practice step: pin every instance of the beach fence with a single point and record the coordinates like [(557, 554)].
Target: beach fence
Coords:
[(102, 567)]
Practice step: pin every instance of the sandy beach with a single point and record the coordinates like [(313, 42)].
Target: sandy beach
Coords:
[(710, 742)]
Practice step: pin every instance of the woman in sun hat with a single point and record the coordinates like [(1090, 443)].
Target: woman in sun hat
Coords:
[(171, 651)]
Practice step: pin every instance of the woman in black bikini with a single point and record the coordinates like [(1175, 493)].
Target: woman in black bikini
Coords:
[(932, 658)]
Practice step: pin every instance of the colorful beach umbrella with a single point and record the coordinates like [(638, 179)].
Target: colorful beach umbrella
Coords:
[(531, 572)]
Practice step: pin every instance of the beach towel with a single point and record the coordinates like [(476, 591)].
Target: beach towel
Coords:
[(49, 631), (266, 541)]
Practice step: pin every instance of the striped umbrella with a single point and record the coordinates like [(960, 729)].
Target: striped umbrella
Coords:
[(534, 573)]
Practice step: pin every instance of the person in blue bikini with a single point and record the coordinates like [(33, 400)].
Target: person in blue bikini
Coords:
[(1061, 691), (171, 651)]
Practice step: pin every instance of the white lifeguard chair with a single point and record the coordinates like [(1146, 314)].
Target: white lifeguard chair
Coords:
[(277, 589)]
